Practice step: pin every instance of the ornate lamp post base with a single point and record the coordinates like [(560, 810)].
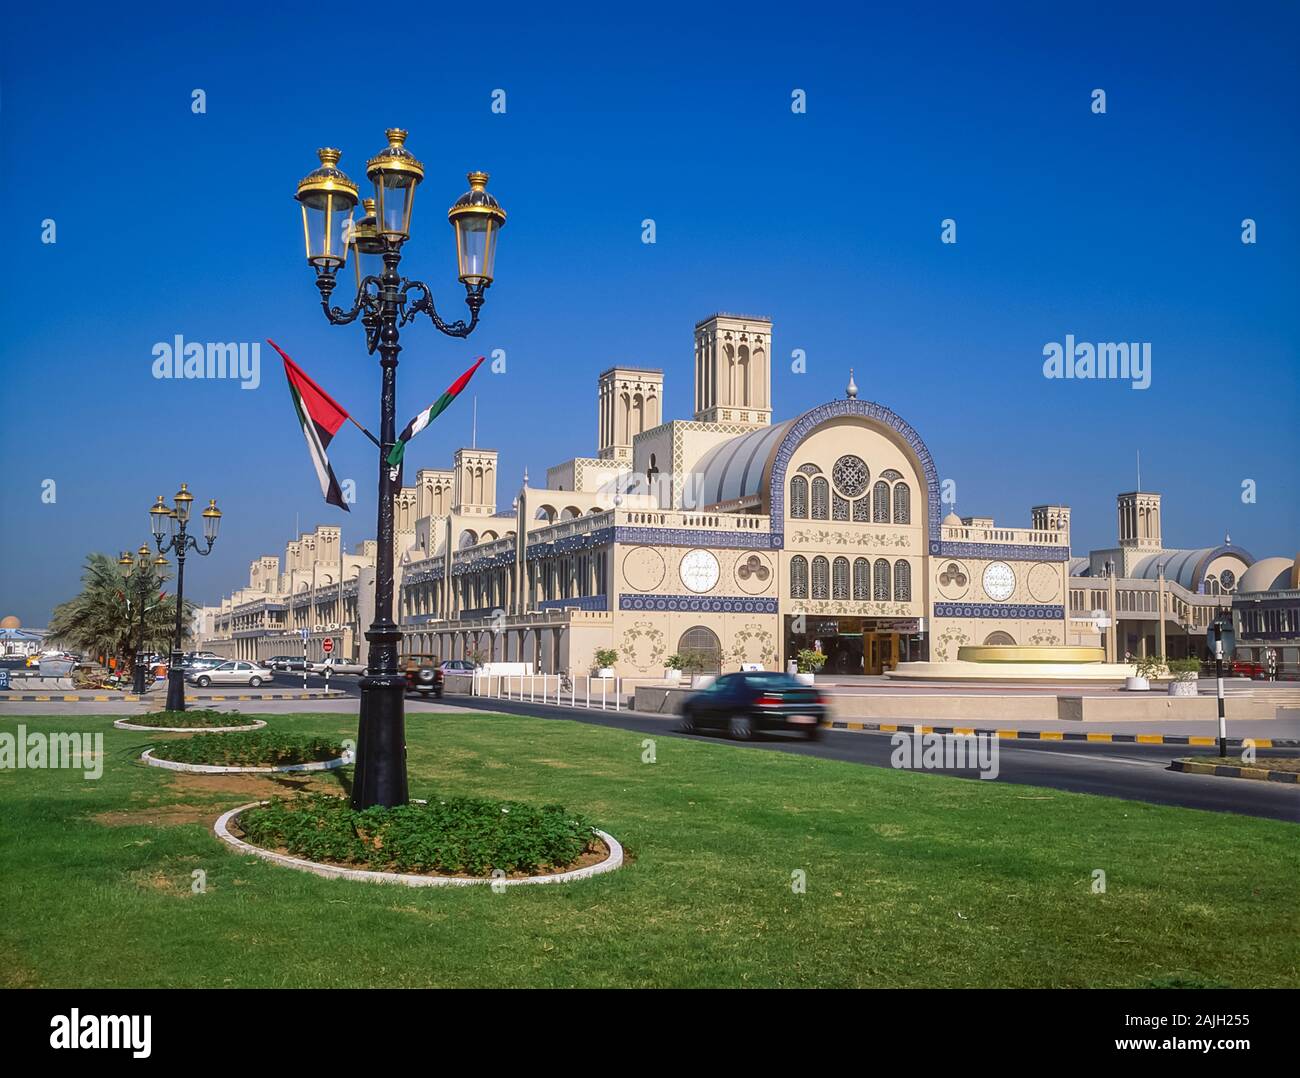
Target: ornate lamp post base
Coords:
[(175, 684), (380, 776)]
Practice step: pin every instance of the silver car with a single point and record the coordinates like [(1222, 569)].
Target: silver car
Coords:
[(233, 672)]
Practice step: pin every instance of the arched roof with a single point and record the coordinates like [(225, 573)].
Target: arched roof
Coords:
[(735, 468), (1080, 567), (1185, 567), (1267, 574)]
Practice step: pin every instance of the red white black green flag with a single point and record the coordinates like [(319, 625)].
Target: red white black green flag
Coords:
[(320, 416), (430, 414)]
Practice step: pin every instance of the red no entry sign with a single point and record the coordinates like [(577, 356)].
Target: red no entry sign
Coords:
[(327, 644)]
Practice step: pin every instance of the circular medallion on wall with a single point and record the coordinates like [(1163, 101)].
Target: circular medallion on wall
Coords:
[(753, 573), (1045, 582), (999, 581), (851, 475), (954, 579), (699, 571), (644, 568)]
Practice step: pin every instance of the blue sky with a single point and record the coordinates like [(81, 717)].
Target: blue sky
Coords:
[(1122, 226)]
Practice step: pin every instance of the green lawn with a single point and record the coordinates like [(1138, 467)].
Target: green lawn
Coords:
[(911, 879)]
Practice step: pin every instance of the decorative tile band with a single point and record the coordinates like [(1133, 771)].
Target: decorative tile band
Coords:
[(578, 602), (999, 610), (1005, 551), (710, 604)]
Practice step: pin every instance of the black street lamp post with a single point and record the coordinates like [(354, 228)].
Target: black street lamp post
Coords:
[(170, 531), (130, 567), (385, 301)]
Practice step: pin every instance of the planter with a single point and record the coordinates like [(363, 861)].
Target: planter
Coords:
[(222, 828), (605, 671), (1136, 684), (1183, 688), (806, 679), (213, 769), (672, 675)]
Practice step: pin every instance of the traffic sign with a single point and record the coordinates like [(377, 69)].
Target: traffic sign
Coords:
[(1228, 636), (327, 645)]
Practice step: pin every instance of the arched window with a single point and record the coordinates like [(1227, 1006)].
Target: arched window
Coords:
[(880, 592), (799, 497), (701, 643), (821, 574), (839, 508), (1000, 638), (880, 503), (798, 577), (861, 578), (821, 498), (840, 579), (903, 581), (902, 503), (862, 509)]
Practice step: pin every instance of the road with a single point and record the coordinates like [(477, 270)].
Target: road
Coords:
[(1133, 772)]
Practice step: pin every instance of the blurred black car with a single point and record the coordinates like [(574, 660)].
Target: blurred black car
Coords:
[(755, 701)]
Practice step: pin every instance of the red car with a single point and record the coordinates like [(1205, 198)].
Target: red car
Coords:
[(1245, 668)]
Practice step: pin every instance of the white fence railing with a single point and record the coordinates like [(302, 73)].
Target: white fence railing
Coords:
[(606, 694)]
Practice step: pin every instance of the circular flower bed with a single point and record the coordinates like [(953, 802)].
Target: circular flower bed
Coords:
[(465, 837), (191, 719), (259, 749)]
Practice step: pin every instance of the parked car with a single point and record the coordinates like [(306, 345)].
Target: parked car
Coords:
[(424, 675), (457, 666), (335, 666), (285, 662), (231, 672), (748, 703), (196, 665)]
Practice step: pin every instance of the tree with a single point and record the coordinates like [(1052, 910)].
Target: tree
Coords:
[(104, 619)]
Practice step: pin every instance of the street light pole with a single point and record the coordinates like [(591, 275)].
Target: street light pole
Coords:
[(170, 531), (386, 301)]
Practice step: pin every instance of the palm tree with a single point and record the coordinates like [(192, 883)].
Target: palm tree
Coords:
[(104, 619)]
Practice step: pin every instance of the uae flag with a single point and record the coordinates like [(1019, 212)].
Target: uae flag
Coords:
[(430, 414), (321, 416)]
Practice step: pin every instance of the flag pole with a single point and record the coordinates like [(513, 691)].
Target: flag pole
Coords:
[(365, 432)]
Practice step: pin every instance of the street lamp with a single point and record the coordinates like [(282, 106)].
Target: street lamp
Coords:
[(139, 569), (384, 302), (170, 531)]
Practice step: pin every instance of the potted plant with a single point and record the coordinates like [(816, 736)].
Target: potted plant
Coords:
[(673, 667), (1186, 672), (605, 660), (810, 662), (1145, 668)]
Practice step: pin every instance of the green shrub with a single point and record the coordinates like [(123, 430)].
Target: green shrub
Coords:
[(446, 836), (673, 662), (1185, 669), (196, 717), (810, 661), (606, 657), (1148, 666), (258, 748)]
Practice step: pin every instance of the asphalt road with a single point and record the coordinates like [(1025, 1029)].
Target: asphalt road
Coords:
[(1132, 772)]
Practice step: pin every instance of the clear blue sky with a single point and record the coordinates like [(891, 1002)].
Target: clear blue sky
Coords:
[(1123, 226)]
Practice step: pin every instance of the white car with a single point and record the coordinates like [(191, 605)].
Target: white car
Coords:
[(232, 672)]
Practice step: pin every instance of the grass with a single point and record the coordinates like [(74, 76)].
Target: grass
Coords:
[(911, 879)]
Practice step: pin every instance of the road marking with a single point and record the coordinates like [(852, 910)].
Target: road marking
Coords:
[(1104, 759)]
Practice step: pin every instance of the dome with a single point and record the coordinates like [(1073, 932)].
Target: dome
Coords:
[(1268, 574), (11, 622), (952, 520), (1185, 567)]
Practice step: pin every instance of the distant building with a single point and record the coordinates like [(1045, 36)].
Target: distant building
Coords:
[(1266, 614)]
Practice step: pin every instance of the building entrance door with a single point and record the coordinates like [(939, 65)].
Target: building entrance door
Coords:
[(879, 652)]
